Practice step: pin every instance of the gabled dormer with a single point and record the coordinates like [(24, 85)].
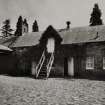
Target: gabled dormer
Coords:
[(50, 39)]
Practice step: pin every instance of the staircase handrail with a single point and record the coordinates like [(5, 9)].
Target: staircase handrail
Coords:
[(49, 65), (38, 67)]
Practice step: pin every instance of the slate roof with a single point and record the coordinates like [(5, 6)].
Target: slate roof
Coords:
[(4, 48), (8, 41), (71, 36), (83, 34), (29, 39)]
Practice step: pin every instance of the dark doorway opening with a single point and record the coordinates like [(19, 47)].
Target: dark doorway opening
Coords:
[(65, 67)]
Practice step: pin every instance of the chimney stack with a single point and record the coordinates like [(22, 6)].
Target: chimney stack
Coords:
[(68, 24)]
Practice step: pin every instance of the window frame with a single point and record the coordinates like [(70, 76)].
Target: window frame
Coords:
[(89, 63), (103, 62)]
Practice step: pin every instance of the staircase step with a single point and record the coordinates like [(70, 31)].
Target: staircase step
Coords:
[(41, 77), (44, 75), (43, 71), (43, 67)]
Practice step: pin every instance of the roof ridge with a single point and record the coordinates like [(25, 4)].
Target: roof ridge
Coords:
[(79, 27)]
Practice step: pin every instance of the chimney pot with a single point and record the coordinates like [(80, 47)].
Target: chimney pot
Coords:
[(68, 24)]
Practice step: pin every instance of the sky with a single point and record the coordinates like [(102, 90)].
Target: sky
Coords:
[(50, 12)]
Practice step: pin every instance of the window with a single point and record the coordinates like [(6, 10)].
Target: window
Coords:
[(50, 45), (90, 63), (103, 62)]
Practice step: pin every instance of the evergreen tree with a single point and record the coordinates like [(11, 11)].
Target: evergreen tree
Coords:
[(96, 16), (6, 28), (19, 24), (35, 27), (25, 23)]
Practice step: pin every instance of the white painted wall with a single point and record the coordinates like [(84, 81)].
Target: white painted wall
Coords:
[(71, 66), (50, 45), (33, 71)]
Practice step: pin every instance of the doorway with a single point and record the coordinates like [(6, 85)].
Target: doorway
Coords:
[(50, 45), (69, 66)]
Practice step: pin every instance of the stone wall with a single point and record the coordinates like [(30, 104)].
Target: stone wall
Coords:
[(96, 50), (7, 64), (79, 52)]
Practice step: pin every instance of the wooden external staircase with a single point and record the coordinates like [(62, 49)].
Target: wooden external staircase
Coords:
[(44, 66)]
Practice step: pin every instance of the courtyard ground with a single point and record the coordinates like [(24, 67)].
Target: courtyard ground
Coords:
[(53, 91)]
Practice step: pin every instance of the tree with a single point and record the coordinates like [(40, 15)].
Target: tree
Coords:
[(6, 28), (19, 24), (25, 28), (35, 27), (96, 16)]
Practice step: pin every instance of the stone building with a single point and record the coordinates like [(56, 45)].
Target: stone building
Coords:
[(7, 64), (73, 52)]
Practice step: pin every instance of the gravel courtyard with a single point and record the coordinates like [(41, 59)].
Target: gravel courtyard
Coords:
[(54, 91)]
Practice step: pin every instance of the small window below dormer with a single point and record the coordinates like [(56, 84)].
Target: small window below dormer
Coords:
[(89, 63)]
